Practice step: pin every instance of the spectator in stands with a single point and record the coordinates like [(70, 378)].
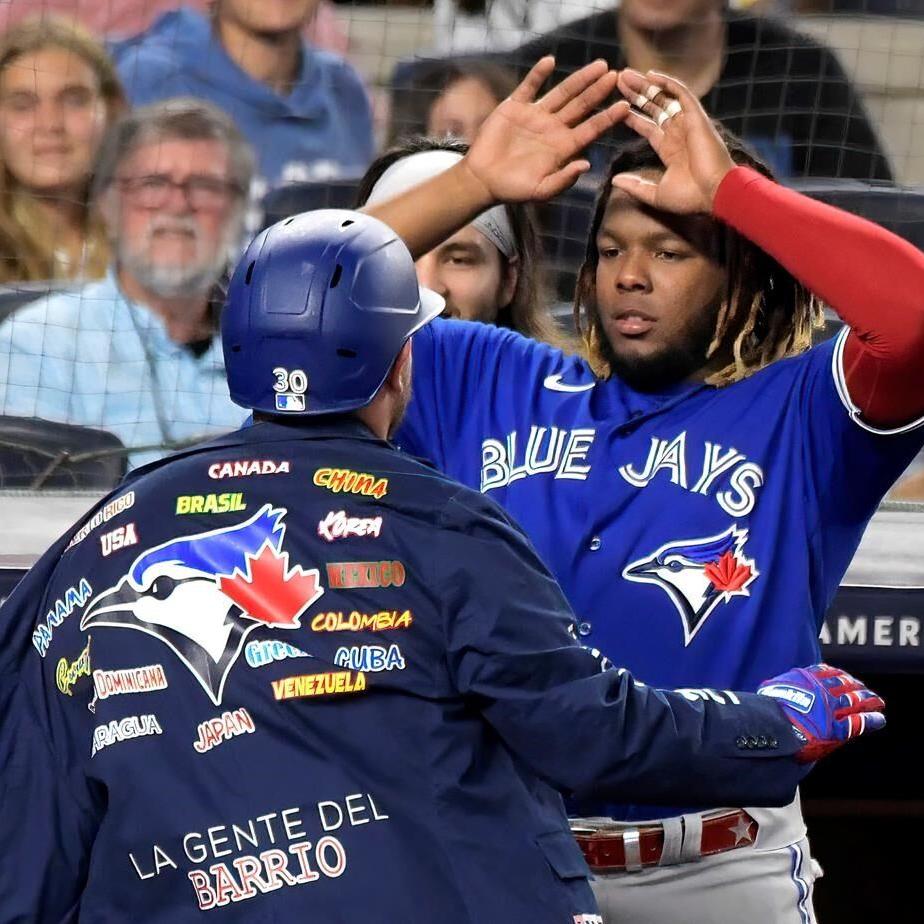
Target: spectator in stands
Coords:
[(128, 17), (784, 93), (482, 25), (448, 97), (490, 270), (58, 93), (137, 352), (304, 111)]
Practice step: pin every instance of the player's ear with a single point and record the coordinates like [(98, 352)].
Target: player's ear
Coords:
[(400, 374)]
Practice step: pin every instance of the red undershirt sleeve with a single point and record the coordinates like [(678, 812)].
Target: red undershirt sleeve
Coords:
[(872, 278)]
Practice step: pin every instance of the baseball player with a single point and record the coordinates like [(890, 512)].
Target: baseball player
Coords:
[(294, 674), (699, 483)]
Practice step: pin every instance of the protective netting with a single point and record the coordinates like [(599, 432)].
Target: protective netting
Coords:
[(829, 94)]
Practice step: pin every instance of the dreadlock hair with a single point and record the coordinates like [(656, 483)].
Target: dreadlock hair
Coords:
[(766, 314), (528, 312)]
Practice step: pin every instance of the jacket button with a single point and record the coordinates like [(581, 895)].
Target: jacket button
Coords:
[(752, 741), (762, 741), (741, 741), (595, 543), (774, 743), (584, 628)]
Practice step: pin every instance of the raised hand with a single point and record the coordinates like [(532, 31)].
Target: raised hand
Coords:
[(826, 706), (528, 149), (682, 135)]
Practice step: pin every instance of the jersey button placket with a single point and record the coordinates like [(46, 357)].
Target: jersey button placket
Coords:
[(585, 628)]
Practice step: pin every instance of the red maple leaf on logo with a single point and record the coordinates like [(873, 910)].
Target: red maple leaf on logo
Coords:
[(727, 573), (269, 591)]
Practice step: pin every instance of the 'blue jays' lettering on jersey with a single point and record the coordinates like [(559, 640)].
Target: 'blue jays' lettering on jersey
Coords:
[(699, 534), (248, 687)]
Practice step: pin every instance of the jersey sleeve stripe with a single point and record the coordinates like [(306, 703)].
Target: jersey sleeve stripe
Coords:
[(840, 383)]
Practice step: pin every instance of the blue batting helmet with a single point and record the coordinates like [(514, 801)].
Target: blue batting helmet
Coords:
[(318, 309)]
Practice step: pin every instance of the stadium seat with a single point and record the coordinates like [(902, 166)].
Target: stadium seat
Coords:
[(294, 198), (40, 454)]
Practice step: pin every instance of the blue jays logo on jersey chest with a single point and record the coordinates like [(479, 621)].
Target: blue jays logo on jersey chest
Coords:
[(698, 574)]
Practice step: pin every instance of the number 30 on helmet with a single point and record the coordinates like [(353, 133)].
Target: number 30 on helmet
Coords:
[(318, 309)]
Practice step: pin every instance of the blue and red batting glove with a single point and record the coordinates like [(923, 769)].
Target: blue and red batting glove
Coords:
[(826, 707)]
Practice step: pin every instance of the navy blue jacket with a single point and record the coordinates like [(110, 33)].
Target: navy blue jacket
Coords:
[(296, 673)]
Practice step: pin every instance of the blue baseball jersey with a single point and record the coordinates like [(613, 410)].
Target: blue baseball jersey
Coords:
[(700, 533), (295, 674)]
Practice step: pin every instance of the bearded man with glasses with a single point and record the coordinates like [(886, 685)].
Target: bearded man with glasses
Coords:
[(136, 353)]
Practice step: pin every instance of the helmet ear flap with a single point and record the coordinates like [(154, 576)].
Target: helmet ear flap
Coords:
[(318, 308)]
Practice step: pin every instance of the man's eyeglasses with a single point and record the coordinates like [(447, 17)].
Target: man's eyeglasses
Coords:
[(202, 193)]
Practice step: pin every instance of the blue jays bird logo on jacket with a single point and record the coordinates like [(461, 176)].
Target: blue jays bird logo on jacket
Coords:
[(203, 594), (698, 574)]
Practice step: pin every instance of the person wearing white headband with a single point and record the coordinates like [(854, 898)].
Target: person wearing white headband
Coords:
[(490, 270)]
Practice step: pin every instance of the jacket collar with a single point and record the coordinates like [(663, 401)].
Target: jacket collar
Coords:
[(342, 426)]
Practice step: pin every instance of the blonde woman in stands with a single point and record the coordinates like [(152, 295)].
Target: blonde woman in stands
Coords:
[(59, 92)]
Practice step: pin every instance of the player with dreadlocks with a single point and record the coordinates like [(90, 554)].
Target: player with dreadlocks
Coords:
[(764, 313), (699, 482)]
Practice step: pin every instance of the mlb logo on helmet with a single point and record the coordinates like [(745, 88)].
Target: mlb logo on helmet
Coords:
[(290, 402)]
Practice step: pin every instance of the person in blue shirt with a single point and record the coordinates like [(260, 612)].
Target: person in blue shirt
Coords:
[(699, 480), (294, 674), (304, 110), (136, 353)]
